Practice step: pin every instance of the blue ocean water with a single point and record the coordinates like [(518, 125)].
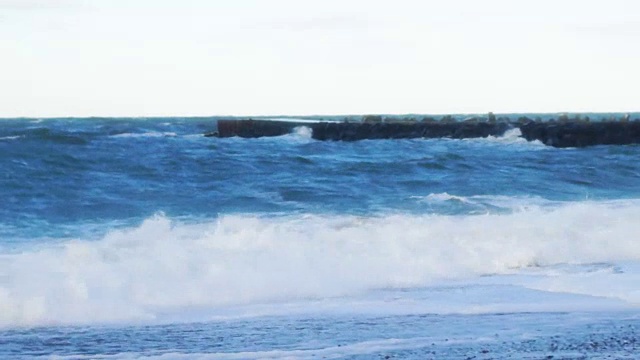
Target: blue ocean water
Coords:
[(141, 238)]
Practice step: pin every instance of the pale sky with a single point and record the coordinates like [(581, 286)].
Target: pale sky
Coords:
[(297, 57)]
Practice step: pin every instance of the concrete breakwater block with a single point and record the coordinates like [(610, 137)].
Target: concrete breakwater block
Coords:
[(581, 134), (561, 133)]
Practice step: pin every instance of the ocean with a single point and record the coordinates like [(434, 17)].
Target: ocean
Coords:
[(142, 239)]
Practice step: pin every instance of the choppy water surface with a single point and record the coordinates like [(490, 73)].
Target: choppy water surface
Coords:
[(140, 238)]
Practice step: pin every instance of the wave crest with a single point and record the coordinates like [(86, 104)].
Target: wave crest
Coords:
[(163, 267)]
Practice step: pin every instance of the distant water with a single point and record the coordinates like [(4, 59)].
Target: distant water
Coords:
[(142, 239)]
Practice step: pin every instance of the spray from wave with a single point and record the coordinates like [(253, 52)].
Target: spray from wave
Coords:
[(303, 132), (510, 137), (164, 267)]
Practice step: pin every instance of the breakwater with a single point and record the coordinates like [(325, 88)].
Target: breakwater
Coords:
[(563, 131)]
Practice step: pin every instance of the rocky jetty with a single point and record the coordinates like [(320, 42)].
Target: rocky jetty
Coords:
[(406, 130), (253, 128), (581, 134), (562, 131)]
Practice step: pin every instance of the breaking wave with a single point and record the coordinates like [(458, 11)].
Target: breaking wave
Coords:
[(164, 266)]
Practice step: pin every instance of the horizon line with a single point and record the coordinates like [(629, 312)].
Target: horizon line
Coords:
[(317, 115)]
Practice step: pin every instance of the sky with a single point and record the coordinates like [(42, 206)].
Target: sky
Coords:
[(303, 57)]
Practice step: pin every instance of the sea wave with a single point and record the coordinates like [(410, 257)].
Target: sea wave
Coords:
[(165, 266), (510, 137), (510, 203), (149, 134)]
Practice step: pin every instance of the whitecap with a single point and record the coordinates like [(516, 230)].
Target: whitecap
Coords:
[(10, 137), (167, 267), (152, 134)]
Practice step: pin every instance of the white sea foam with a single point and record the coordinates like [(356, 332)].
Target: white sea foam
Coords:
[(164, 268), (441, 197), (10, 137), (511, 136), (146, 134), (298, 135), (303, 131), (514, 203)]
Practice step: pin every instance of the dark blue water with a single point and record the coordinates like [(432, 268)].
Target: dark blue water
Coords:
[(57, 174), (141, 237)]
